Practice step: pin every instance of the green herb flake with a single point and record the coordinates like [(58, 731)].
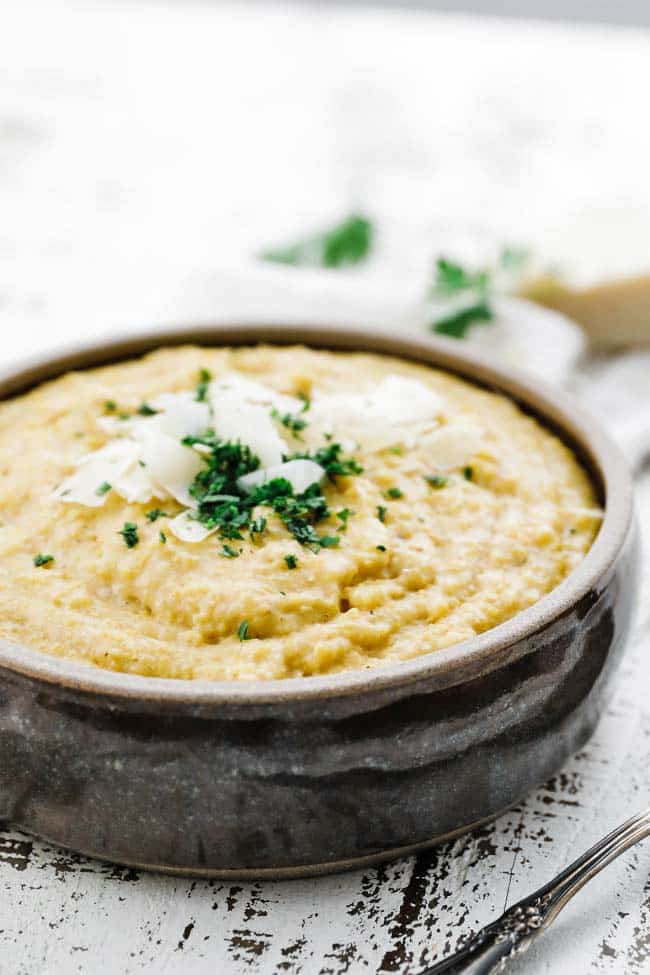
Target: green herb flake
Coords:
[(468, 473), (145, 410), (382, 512), (205, 378), (124, 416), (130, 534), (155, 514), (292, 561), (394, 493), (103, 488), (228, 552), (110, 406), (343, 515), (451, 277), (41, 559), (396, 449), (349, 242), (162, 537), (331, 461), (436, 480), (306, 402), (329, 541), (470, 294), (380, 548), (257, 527), (514, 259), (295, 424), (457, 324), (242, 631)]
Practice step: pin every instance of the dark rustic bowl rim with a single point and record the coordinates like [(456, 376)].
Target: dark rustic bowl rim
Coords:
[(480, 654)]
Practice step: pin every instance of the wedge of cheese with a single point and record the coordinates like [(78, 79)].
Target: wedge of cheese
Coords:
[(613, 313)]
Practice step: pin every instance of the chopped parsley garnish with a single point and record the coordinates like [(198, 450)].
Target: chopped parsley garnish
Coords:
[(468, 473), (222, 504), (349, 242), (145, 410), (330, 459), (457, 323), (130, 534), (155, 514), (41, 559), (382, 512), (380, 548), (330, 541), (306, 402), (162, 537), (452, 277), (470, 293), (110, 406), (228, 552), (124, 416), (257, 527), (242, 631), (436, 480), (343, 516), (293, 423), (394, 493), (205, 377), (103, 488), (292, 561)]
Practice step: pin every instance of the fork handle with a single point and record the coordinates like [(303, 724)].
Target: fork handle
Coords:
[(490, 948), (485, 953)]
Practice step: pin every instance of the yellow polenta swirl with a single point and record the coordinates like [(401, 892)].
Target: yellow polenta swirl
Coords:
[(446, 560)]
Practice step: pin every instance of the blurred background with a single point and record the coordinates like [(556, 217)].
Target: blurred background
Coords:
[(603, 11), (153, 153)]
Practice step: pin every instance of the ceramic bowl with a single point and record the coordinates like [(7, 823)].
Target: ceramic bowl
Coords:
[(318, 774)]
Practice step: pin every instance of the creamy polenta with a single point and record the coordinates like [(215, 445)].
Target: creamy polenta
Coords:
[(434, 532)]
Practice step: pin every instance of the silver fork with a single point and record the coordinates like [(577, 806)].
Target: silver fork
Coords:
[(513, 933)]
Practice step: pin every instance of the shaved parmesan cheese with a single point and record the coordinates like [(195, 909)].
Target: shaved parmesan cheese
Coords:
[(117, 427), (186, 528), (453, 446), (249, 391), (178, 415), (170, 465), (300, 474), (103, 466), (394, 412), (181, 415), (136, 486), (249, 424), (149, 459)]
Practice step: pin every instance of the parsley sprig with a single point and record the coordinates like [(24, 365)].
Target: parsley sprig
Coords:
[(348, 242), (470, 293)]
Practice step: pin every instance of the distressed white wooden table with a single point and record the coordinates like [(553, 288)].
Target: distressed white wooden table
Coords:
[(146, 151)]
